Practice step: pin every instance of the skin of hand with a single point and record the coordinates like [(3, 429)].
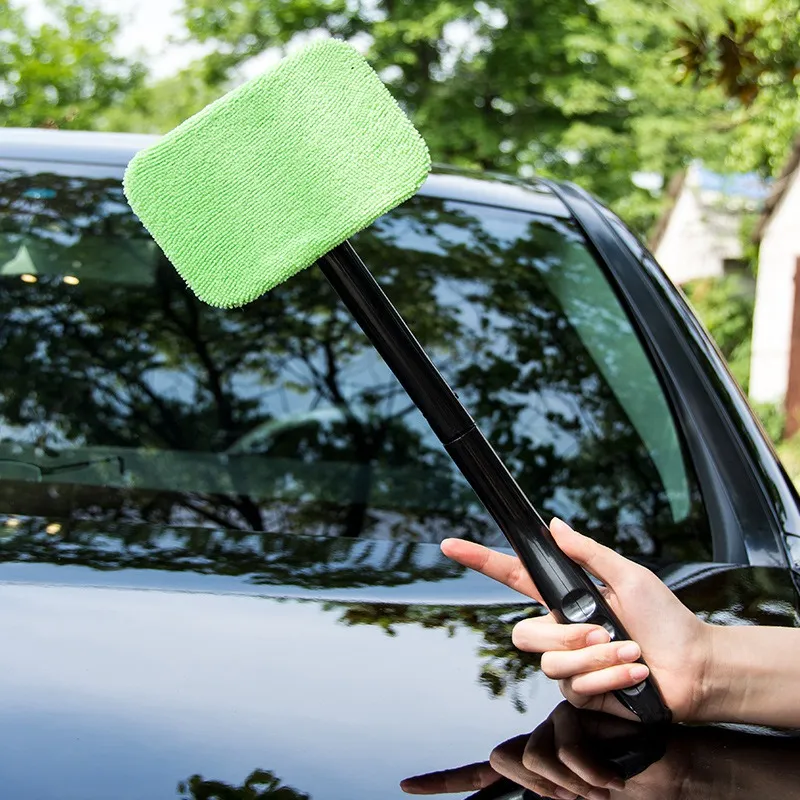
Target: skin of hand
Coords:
[(559, 759), (551, 761), (675, 644)]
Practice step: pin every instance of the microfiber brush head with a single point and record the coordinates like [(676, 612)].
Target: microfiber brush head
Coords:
[(262, 182)]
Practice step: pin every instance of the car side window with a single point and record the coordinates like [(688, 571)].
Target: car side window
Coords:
[(123, 398)]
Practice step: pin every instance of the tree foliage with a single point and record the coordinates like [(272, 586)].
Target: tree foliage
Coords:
[(752, 52), (597, 92), (726, 307), (572, 89), (63, 73), (158, 106)]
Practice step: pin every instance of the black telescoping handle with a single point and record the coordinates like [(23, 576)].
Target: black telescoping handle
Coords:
[(565, 588)]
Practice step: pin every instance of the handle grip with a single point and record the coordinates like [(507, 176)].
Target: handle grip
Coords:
[(565, 588)]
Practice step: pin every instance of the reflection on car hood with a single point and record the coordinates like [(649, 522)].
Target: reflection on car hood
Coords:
[(333, 667), (581, 751)]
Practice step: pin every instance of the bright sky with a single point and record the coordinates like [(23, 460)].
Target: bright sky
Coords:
[(148, 26), (151, 30)]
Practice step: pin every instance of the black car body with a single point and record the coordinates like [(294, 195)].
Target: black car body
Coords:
[(219, 529)]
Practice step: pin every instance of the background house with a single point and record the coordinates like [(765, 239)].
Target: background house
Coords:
[(775, 363), (700, 234)]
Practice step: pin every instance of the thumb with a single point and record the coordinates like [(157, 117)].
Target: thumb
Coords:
[(602, 562)]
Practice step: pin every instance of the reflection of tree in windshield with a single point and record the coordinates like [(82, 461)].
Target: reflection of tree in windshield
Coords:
[(259, 785), (280, 415), (303, 562)]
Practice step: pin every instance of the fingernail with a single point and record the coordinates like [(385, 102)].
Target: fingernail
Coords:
[(597, 794), (563, 794), (559, 523), (599, 636), (629, 652), (639, 672)]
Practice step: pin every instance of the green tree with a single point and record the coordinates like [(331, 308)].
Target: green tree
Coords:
[(64, 73), (752, 52), (156, 107), (725, 305), (572, 89)]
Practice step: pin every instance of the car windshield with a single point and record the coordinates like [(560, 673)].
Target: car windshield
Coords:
[(123, 399)]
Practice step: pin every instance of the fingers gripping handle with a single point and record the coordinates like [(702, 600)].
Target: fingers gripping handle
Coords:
[(566, 589), (586, 605), (582, 606)]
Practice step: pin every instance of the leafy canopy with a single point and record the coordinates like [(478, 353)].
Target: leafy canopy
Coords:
[(63, 73)]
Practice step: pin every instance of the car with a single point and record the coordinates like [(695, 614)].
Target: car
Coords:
[(219, 529)]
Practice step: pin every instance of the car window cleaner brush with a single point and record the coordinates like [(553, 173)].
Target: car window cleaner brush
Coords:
[(276, 176)]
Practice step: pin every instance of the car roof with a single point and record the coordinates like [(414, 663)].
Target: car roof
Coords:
[(36, 148)]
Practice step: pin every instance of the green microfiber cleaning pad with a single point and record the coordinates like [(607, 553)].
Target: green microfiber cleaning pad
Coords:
[(265, 180)]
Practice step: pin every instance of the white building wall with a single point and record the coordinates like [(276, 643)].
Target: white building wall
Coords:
[(772, 321), (686, 250)]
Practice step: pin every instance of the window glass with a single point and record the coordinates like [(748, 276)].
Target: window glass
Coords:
[(125, 399)]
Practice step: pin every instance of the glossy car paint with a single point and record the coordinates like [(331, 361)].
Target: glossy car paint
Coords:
[(339, 667), (123, 683)]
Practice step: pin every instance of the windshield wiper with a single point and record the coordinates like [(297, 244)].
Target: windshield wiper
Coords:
[(42, 471)]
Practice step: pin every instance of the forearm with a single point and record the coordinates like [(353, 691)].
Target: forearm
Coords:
[(752, 676)]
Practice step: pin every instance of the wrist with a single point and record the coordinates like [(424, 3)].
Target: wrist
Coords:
[(732, 673), (714, 683), (746, 674)]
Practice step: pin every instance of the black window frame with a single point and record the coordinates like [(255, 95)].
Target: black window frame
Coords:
[(750, 502)]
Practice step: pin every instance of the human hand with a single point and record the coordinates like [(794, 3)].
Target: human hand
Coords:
[(573, 754), (552, 761), (674, 643)]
